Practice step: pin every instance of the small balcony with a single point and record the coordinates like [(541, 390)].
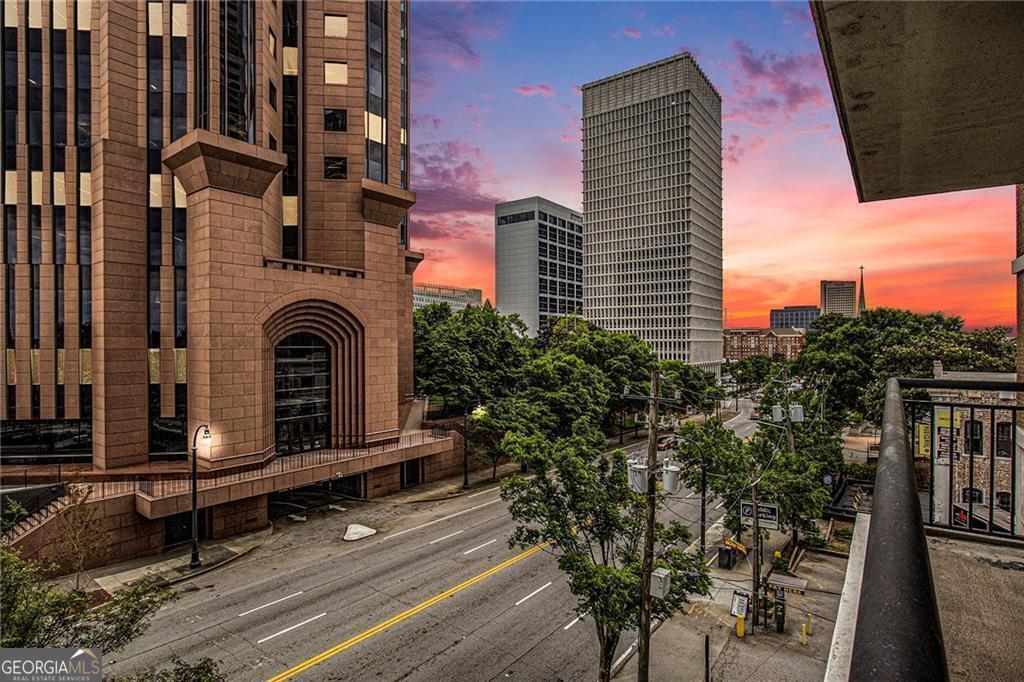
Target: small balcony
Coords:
[(933, 585)]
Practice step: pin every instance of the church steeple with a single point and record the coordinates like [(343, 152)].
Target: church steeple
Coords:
[(861, 305)]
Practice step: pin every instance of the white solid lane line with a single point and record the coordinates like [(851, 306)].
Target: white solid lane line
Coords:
[(450, 535), (276, 601), (719, 505), (297, 625), (443, 518), (470, 551), (572, 622), (483, 492), (535, 592)]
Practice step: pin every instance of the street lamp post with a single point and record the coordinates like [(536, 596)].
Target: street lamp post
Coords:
[(196, 562)]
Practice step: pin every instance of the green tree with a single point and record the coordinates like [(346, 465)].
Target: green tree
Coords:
[(697, 388), (623, 358), (512, 414), (566, 389), (475, 354), (754, 371), (581, 507)]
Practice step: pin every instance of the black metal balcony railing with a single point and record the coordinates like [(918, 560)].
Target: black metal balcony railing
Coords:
[(898, 631)]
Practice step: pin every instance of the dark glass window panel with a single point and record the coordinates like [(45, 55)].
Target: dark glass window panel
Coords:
[(58, 305), (272, 142), (336, 120), (154, 239), (272, 95), (12, 404), (35, 234), (166, 435), (34, 306), (59, 402), (10, 234), (155, 63), (375, 160), (180, 308), (238, 69), (154, 307), (335, 168), (155, 120), (84, 161), (84, 235), (85, 403), (180, 249), (11, 321), (179, 71), (84, 306), (290, 242), (36, 401)]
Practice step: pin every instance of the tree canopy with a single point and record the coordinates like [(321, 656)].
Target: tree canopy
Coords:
[(861, 353), (580, 504)]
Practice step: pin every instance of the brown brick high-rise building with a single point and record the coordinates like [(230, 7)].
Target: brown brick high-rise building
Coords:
[(205, 223)]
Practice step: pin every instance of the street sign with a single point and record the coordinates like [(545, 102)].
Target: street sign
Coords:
[(739, 603), (767, 514)]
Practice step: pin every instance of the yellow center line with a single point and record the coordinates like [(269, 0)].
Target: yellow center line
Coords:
[(381, 627)]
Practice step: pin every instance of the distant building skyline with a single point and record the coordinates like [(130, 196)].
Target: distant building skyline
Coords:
[(652, 201), (456, 297), (538, 257), (793, 316), (743, 342)]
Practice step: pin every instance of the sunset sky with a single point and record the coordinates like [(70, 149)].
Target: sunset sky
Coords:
[(496, 116)]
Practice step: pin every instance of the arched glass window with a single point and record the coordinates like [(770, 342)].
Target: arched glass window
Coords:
[(302, 394)]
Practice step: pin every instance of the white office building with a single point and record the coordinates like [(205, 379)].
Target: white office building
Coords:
[(652, 197), (839, 297), (538, 261)]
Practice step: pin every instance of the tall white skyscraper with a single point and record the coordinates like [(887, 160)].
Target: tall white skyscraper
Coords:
[(538, 261), (652, 198)]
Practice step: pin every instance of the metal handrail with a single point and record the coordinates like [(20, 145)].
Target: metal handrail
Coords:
[(899, 635)]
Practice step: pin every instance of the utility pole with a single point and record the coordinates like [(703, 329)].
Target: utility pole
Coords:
[(703, 505), (644, 638), (789, 422), (757, 548)]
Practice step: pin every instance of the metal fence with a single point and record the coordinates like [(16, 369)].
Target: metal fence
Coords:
[(965, 432)]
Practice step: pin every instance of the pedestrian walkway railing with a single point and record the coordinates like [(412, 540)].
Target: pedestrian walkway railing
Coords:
[(182, 484), (949, 459)]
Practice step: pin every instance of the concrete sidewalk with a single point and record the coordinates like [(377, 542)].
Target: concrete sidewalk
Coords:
[(677, 645), (170, 567)]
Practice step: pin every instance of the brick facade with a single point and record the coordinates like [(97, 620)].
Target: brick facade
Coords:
[(743, 342)]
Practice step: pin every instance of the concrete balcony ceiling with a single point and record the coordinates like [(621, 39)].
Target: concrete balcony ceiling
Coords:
[(930, 95)]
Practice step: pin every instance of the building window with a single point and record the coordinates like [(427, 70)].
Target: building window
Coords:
[(272, 142), (969, 495), (272, 42), (973, 437), (1004, 439), (272, 95), (376, 90), (302, 393), (335, 168), (335, 120), (1003, 500), (238, 69), (335, 73), (335, 26)]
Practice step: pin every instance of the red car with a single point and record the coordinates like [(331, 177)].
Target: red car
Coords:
[(667, 443)]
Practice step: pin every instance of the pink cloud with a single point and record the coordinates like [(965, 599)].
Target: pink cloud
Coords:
[(666, 30), (542, 89), (735, 147), (632, 33), (789, 79)]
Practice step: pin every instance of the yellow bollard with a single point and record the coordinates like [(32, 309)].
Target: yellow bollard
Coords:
[(810, 624), (739, 626), (803, 633)]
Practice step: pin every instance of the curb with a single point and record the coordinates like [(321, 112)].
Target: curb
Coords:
[(632, 649)]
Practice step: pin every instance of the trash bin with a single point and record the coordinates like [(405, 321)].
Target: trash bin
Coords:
[(726, 557)]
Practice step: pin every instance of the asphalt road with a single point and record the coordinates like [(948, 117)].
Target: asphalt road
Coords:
[(437, 594)]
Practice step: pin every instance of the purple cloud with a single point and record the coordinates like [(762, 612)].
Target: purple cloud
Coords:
[(542, 89)]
